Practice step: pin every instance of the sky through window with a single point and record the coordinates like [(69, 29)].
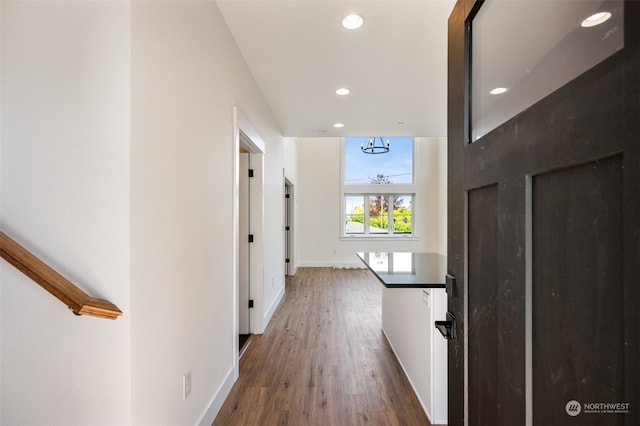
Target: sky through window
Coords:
[(396, 165)]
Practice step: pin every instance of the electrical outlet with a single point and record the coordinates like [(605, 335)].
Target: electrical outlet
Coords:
[(186, 384)]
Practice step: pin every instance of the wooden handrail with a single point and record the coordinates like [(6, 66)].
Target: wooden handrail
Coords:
[(64, 290)]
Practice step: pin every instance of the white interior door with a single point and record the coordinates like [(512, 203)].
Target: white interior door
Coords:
[(288, 228), (243, 246)]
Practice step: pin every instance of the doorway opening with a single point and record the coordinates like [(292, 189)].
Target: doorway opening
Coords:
[(244, 258), (289, 229), (248, 217)]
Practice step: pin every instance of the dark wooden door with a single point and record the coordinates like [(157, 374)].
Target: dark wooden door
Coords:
[(543, 239)]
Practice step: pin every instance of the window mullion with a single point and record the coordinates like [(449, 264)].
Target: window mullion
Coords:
[(367, 205), (390, 205)]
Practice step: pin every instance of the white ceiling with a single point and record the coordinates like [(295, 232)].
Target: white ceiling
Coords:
[(395, 65)]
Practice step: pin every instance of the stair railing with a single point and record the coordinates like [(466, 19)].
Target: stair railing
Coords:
[(64, 290)]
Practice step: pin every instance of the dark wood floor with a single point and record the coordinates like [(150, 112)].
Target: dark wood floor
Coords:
[(323, 360)]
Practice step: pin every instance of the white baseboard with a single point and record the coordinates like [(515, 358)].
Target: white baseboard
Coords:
[(218, 399), (225, 387), (316, 264), (415, 391), (269, 313), (349, 265), (329, 264)]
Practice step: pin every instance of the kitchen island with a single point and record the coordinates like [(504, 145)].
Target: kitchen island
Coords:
[(413, 298)]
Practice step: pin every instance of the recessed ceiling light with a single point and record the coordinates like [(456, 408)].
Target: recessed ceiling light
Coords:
[(353, 21), (498, 90), (338, 125), (401, 123), (343, 91), (596, 19)]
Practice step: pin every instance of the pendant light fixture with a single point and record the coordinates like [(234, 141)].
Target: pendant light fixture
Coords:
[(375, 146)]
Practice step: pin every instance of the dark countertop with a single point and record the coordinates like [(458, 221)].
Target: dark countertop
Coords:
[(407, 270)]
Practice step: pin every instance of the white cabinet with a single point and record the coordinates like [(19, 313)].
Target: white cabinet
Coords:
[(408, 316)]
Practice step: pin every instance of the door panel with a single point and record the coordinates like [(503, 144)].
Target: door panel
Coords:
[(578, 324), (244, 262), (483, 300)]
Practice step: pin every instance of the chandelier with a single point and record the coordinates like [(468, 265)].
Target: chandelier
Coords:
[(375, 147)]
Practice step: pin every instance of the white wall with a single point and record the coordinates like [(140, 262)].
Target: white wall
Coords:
[(319, 212), (186, 77), (291, 159), (274, 267), (116, 168), (65, 196)]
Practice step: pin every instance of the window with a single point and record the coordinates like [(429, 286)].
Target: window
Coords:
[(505, 82), (381, 217), (378, 191), (393, 167)]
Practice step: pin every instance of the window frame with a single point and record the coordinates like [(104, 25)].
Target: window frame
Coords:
[(368, 190)]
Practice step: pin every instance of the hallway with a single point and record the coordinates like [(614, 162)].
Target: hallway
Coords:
[(323, 360)]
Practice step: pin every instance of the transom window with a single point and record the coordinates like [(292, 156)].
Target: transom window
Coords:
[(378, 191), (393, 167)]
